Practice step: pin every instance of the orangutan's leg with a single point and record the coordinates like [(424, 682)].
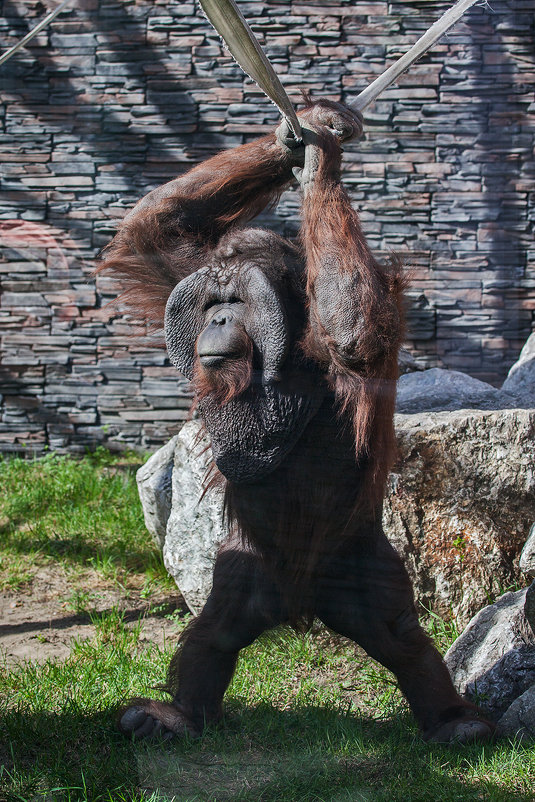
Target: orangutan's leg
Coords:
[(367, 596), (243, 603)]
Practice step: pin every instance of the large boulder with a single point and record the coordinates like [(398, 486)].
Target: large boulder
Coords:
[(460, 504), (437, 389), (440, 390), (194, 527), (154, 488), (518, 721), (493, 662)]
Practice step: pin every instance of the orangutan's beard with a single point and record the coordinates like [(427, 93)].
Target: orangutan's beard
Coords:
[(228, 380)]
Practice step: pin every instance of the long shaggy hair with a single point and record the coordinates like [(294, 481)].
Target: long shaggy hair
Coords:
[(160, 243), (365, 386)]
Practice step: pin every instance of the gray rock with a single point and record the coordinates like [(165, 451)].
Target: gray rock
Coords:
[(437, 389), (527, 557), (518, 721), (154, 487), (520, 381), (195, 528), (493, 661), (460, 503)]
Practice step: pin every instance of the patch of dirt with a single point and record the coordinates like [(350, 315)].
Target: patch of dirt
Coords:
[(43, 620)]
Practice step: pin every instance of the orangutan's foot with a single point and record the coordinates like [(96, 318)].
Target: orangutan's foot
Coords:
[(462, 731), (147, 718)]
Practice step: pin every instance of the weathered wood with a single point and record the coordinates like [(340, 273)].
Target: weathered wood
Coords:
[(420, 47), (31, 34), (243, 45)]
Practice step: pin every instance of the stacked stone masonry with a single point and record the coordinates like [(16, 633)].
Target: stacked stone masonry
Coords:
[(118, 96)]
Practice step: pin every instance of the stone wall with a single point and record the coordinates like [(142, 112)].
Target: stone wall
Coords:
[(118, 96)]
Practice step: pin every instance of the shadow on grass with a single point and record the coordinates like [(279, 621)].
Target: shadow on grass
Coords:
[(138, 613), (80, 549), (261, 755)]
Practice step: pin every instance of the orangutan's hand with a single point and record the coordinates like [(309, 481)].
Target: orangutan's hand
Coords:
[(341, 121), (344, 123)]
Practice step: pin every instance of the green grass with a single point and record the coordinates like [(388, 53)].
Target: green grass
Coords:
[(308, 719), (79, 513)]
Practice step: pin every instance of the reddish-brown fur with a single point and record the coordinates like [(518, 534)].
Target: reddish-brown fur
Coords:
[(166, 238), (174, 237), (171, 239), (365, 388)]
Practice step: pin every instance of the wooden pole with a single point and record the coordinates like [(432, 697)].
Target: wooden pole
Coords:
[(423, 44), (38, 28)]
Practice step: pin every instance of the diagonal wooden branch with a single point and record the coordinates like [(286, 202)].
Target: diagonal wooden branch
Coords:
[(38, 28), (423, 44), (244, 47)]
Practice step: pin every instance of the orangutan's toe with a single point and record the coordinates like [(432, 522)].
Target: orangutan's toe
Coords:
[(463, 731), (147, 718), (137, 723)]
